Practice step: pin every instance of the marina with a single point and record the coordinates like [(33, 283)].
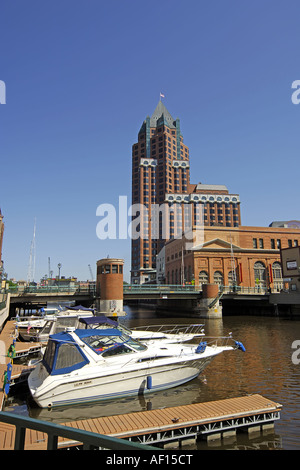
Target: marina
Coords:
[(223, 379), (178, 425)]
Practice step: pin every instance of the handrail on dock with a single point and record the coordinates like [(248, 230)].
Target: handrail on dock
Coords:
[(89, 440)]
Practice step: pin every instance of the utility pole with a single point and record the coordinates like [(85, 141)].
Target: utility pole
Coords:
[(31, 264)]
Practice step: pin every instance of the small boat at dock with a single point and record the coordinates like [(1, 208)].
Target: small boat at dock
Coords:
[(172, 333), (38, 328), (87, 365)]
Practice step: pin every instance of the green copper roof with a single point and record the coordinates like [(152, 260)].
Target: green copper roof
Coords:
[(160, 116), (162, 112)]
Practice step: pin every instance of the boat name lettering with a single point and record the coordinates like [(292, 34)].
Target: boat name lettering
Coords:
[(78, 384)]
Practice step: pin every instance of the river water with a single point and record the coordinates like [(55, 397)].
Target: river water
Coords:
[(268, 367)]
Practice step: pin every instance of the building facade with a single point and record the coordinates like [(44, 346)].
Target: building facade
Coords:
[(249, 257), (166, 203)]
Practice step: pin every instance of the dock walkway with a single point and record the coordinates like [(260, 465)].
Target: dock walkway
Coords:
[(215, 419), (168, 425), (7, 336)]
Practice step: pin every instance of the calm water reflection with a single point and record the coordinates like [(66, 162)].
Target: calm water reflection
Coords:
[(266, 368)]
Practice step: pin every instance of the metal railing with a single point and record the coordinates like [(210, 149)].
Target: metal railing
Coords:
[(163, 288), (52, 289), (87, 439), (138, 288)]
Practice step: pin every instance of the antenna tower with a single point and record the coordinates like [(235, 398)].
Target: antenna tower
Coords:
[(31, 264), (91, 272)]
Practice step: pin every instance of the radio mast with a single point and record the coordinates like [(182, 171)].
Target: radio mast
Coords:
[(31, 264)]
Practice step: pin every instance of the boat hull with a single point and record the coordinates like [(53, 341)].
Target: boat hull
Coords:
[(89, 387)]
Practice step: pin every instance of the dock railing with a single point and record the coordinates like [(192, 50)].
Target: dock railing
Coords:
[(87, 439)]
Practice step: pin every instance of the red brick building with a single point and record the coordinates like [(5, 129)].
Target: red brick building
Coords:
[(161, 177), (245, 256)]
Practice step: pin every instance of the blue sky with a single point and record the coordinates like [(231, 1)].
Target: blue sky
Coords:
[(82, 75)]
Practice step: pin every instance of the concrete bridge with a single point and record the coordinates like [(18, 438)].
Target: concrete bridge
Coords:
[(33, 296), (165, 296), (130, 291)]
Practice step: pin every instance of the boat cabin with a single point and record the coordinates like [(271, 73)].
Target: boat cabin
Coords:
[(63, 354)]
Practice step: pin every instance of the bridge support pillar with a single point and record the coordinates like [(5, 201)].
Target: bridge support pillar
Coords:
[(209, 305)]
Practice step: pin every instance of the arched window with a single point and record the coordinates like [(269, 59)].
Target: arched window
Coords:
[(203, 278), (260, 274), (277, 276), (218, 278)]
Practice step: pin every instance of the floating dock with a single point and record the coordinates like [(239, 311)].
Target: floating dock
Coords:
[(164, 427), (168, 427)]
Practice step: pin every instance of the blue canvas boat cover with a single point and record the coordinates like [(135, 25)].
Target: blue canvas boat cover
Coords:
[(98, 320), (80, 307)]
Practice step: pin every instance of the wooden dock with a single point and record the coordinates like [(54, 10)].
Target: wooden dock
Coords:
[(7, 336), (163, 426)]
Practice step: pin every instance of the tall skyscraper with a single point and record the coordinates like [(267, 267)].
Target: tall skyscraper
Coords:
[(165, 202), (160, 166)]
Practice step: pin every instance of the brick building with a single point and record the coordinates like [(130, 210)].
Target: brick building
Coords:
[(245, 256), (161, 178)]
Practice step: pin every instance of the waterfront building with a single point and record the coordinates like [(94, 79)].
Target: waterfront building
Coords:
[(249, 257), (169, 203), (290, 261)]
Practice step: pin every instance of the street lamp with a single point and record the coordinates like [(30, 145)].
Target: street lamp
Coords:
[(59, 266)]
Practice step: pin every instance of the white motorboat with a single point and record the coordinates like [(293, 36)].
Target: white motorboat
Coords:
[(169, 333), (87, 365), (38, 328)]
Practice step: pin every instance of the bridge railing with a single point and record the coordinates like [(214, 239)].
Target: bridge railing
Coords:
[(52, 289), (164, 288), (88, 439), (137, 288), (143, 288)]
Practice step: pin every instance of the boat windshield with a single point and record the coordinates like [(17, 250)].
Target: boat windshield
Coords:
[(61, 358), (111, 345)]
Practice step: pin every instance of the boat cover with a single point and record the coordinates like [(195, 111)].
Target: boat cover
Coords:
[(98, 320), (80, 307)]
